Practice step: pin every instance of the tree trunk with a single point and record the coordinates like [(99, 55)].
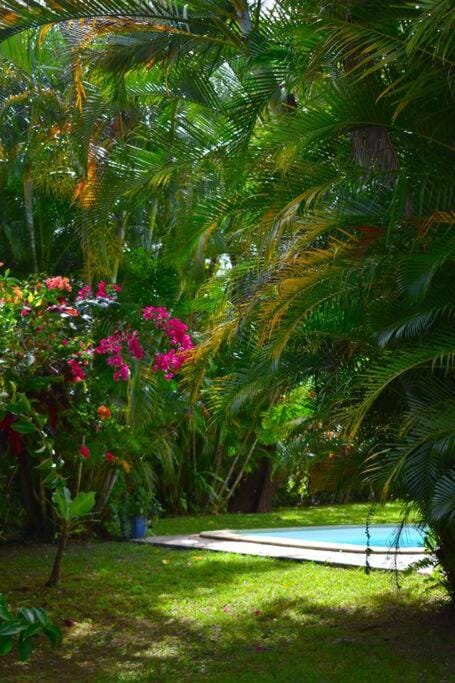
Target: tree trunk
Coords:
[(270, 486), (446, 557), (257, 489), (120, 239), (151, 228), (56, 574), (28, 203)]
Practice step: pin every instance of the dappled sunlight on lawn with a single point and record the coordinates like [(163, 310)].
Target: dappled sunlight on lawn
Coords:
[(334, 514), (138, 613)]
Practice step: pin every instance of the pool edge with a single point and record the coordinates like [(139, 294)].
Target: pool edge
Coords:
[(232, 535)]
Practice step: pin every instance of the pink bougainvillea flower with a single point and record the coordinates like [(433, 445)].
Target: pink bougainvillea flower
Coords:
[(115, 361), (169, 362), (109, 457), (134, 345), (111, 345), (76, 370), (25, 312), (65, 342), (102, 291), (84, 293), (59, 282), (84, 451), (177, 332), (156, 313), (123, 373)]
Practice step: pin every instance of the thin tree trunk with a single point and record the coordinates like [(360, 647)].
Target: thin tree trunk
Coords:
[(152, 223), (240, 474), (56, 573), (243, 16), (43, 505), (79, 478), (120, 239), (225, 483), (107, 490), (28, 203)]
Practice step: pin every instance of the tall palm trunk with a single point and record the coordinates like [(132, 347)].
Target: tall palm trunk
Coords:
[(446, 555), (120, 240), (28, 203)]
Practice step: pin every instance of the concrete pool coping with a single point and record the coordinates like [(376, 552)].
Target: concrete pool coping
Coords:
[(340, 558), (239, 535)]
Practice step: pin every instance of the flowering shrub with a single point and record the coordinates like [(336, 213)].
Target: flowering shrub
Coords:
[(64, 390)]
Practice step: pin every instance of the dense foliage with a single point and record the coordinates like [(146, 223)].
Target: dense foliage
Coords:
[(283, 171)]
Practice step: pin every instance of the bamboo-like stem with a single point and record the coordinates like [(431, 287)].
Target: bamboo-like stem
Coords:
[(240, 474), (28, 204), (225, 483)]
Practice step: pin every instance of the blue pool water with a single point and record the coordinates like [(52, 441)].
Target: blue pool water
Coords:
[(380, 535)]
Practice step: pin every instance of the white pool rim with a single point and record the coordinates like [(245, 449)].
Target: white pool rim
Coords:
[(233, 535)]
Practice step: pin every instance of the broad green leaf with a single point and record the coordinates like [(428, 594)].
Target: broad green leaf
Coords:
[(6, 644), (28, 614), (25, 647), (23, 401), (62, 502), (23, 427), (83, 504), (4, 612), (54, 634), (13, 628), (41, 616)]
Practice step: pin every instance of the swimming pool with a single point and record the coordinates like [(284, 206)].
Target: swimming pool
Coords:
[(347, 538)]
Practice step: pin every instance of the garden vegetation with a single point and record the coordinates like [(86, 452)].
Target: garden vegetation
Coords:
[(227, 237)]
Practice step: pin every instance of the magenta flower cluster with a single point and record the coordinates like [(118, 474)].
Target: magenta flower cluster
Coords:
[(76, 369), (116, 346), (103, 291), (176, 331), (122, 344)]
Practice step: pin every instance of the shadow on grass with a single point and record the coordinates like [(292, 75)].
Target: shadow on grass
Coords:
[(289, 640), (147, 614)]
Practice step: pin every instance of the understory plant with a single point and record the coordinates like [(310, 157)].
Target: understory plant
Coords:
[(27, 625)]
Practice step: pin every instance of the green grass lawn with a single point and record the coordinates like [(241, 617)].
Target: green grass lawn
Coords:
[(149, 614)]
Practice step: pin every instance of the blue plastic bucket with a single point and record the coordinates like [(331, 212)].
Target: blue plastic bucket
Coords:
[(138, 527)]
